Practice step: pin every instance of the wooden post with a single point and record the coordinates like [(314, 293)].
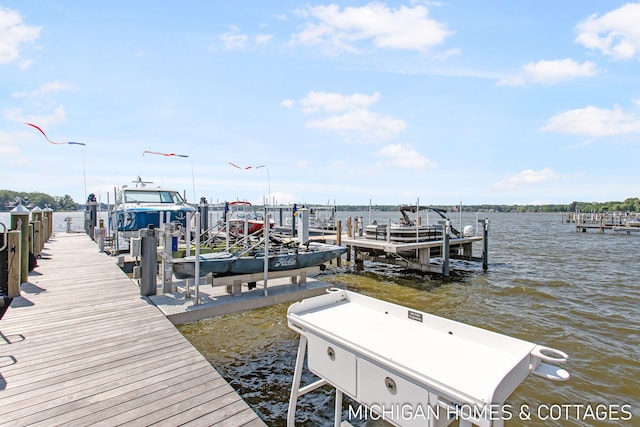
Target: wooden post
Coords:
[(36, 219), (37, 247), (13, 252), (20, 215), (48, 214), (43, 233), (32, 230)]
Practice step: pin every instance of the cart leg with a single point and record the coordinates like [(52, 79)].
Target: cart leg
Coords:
[(338, 409), (297, 377)]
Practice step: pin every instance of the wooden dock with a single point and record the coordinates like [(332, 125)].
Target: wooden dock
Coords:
[(82, 347), (618, 222)]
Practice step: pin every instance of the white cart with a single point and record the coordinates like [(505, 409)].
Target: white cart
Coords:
[(409, 367)]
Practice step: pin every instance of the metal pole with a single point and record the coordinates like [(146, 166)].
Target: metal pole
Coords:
[(196, 301), (337, 411), (266, 251), (297, 378), (293, 220), (303, 235), (445, 249), (167, 272), (187, 238)]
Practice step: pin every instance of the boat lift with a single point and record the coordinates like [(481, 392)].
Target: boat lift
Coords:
[(408, 367)]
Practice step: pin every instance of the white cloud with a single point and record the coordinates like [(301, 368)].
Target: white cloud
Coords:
[(406, 28), (526, 178), (13, 33), (264, 38), (616, 33), (336, 102), (362, 121), (59, 115), (234, 39), (404, 157), (288, 103), (550, 72), (356, 120), (593, 122), (46, 88)]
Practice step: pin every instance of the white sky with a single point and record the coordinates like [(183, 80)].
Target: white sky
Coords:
[(502, 102)]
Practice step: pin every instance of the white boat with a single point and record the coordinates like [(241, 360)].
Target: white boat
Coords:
[(409, 230), (143, 206)]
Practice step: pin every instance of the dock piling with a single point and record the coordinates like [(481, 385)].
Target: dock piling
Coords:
[(13, 263), (20, 221), (485, 243), (445, 249), (149, 261)]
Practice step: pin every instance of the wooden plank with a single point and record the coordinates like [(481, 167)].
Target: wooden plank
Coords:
[(83, 347)]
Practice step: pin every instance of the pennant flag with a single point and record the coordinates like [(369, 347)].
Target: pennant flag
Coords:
[(164, 154), (47, 138), (246, 167)]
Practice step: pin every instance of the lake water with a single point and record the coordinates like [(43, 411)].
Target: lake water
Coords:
[(546, 283)]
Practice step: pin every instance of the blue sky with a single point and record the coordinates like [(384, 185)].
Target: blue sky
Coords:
[(503, 102)]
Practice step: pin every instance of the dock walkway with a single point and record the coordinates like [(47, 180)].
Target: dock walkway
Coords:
[(82, 347)]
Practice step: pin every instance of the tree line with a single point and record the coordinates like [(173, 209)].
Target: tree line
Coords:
[(66, 203), (9, 199), (628, 205)]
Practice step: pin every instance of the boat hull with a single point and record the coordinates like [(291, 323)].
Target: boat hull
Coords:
[(225, 264), (135, 219)]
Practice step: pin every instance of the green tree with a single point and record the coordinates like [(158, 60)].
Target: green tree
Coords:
[(66, 203)]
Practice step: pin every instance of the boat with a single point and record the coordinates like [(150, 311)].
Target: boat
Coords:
[(142, 206), (408, 230), (243, 219), (283, 258)]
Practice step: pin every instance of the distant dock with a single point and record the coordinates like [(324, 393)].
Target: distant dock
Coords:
[(618, 222), (80, 346)]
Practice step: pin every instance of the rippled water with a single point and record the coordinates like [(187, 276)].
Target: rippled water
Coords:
[(546, 283)]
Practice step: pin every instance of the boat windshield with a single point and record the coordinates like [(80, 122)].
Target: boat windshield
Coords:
[(160, 196)]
